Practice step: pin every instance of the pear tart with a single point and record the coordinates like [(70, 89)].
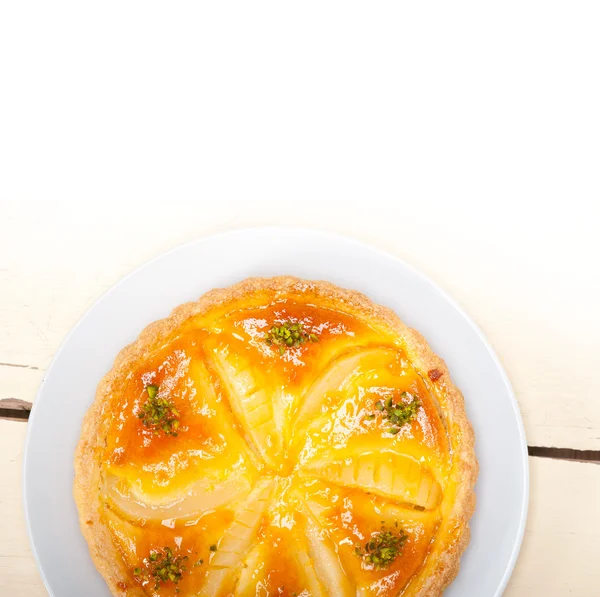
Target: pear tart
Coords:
[(279, 437)]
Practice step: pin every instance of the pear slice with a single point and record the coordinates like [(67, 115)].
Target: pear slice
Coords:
[(251, 405), (340, 372), (252, 572), (255, 573), (308, 568), (326, 564), (387, 474), (201, 496), (234, 545)]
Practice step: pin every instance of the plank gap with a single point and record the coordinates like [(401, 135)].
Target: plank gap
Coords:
[(14, 409), (14, 415), (565, 454), (19, 366)]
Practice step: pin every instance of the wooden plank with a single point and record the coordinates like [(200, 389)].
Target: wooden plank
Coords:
[(561, 548), (559, 555), (534, 290), (18, 574), (19, 382)]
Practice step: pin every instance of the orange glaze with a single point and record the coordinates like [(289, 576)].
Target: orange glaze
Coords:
[(207, 431), (185, 539), (243, 333), (344, 422), (213, 443), (169, 369), (352, 517)]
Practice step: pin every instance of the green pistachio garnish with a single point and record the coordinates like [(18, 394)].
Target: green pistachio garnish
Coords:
[(161, 567), (398, 413), (382, 548), (289, 335), (159, 413)]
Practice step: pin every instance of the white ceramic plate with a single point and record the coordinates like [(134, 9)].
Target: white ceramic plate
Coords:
[(183, 275)]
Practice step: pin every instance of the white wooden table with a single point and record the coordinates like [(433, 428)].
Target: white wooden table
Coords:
[(528, 275)]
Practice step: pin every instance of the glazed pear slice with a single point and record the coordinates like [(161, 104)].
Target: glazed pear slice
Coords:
[(255, 576), (201, 496), (308, 567), (392, 476), (251, 405), (235, 543), (326, 563), (252, 572), (339, 374)]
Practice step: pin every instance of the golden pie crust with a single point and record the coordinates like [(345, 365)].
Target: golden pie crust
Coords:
[(281, 466)]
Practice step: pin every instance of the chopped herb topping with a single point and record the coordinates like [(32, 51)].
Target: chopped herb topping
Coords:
[(399, 413), (289, 335), (162, 566), (382, 548), (159, 413), (213, 548)]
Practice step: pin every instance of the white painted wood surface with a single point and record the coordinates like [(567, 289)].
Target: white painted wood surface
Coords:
[(18, 574), (528, 276)]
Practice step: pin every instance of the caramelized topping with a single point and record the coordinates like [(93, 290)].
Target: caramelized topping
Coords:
[(434, 374)]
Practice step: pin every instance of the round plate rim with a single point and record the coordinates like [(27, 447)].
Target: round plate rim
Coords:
[(334, 236)]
